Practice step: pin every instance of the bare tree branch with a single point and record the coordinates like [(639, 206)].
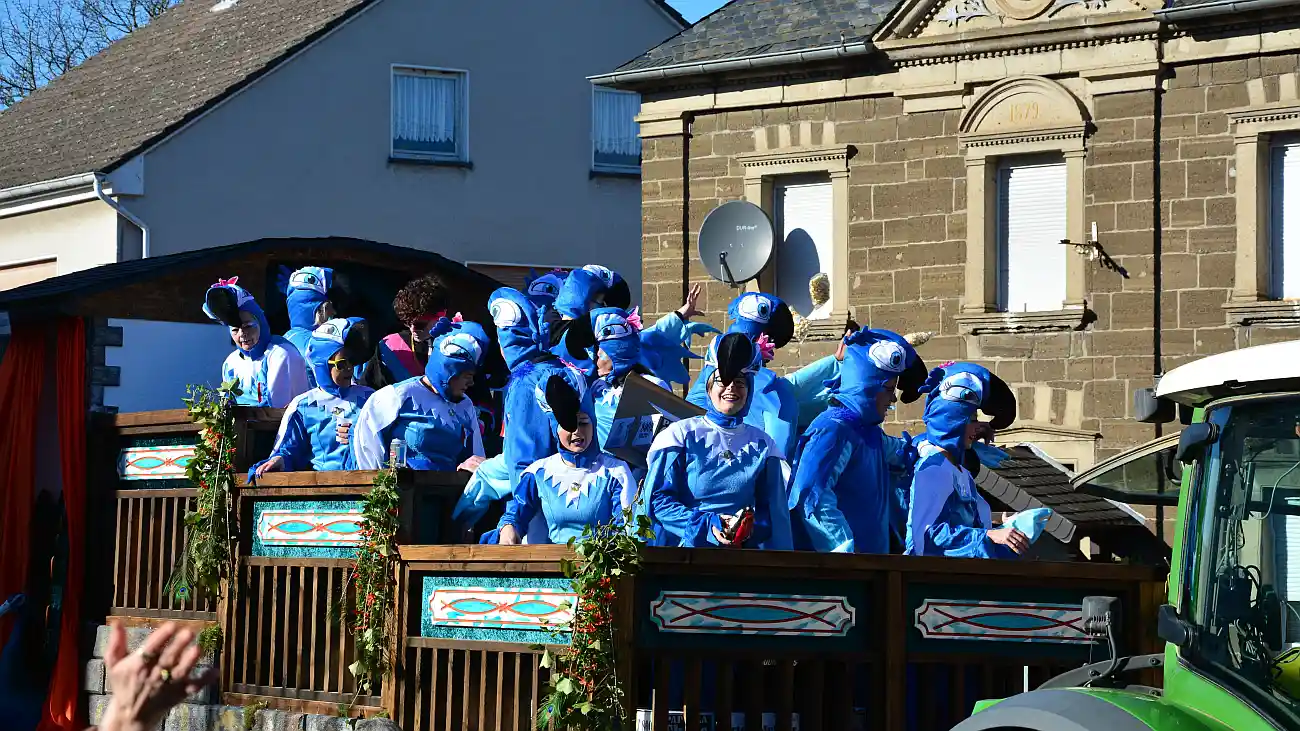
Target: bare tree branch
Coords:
[(41, 39)]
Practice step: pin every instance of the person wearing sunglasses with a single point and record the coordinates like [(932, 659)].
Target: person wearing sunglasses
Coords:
[(315, 432), (269, 370)]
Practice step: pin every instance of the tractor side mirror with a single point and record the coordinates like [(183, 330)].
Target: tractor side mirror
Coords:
[(1171, 628), (1193, 441)]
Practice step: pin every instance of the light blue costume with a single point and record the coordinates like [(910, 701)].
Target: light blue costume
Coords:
[(308, 432), (571, 491), (582, 290), (305, 290), (271, 373), (439, 433), (842, 491), (617, 293), (948, 516), (705, 467)]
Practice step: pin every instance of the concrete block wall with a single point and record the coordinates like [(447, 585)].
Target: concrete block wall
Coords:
[(203, 711)]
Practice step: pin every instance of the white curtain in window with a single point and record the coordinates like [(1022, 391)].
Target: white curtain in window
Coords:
[(613, 123), (805, 220), (1031, 223), (425, 107), (1285, 225)]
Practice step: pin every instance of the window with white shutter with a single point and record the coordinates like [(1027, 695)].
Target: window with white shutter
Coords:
[(615, 135), (430, 117), (1031, 225), (804, 209), (1284, 226)]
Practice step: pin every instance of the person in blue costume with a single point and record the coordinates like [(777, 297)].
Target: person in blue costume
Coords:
[(269, 369), (541, 290), (948, 516), (431, 413), (306, 296), (703, 471), (315, 430), (842, 491), (617, 293), (579, 485), (581, 292)]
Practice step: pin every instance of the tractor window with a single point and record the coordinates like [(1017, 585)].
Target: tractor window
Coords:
[(1245, 581)]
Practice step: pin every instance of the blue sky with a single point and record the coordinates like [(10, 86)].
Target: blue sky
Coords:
[(693, 10)]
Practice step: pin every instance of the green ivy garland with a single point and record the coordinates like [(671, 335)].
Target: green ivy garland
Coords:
[(209, 527), (584, 692), (373, 581)]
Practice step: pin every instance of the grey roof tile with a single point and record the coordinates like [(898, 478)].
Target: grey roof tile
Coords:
[(743, 28), (152, 81)]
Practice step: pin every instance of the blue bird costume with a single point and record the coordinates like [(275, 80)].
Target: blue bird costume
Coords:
[(582, 290), (842, 492), (705, 467), (439, 433), (308, 431), (948, 516), (570, 490), (305, 291), (271, 373)]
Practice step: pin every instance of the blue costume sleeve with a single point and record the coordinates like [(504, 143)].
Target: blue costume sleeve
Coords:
[(823, 456), (772, 509), (528, 435), (293, 444), (523, 505), (781, 423), (666, 475), (934, 526), (900, 458), (699, 394), (371, 430), (491, 482), (809, 388), (665, 343)]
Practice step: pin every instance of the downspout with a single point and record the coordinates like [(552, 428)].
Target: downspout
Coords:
[(121, 211), (1220, 7)]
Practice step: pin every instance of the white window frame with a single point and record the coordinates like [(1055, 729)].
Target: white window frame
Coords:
[(1002, 243), (596, 90), (462, 121)]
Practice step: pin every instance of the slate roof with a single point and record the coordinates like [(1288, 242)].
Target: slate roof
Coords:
[(743, 28), (152, 81)]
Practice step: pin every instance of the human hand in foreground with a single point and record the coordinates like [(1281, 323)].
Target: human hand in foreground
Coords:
[(471, 464), (147, 683), (689, 308), (1011, 538), (508, 536), (274, 464)]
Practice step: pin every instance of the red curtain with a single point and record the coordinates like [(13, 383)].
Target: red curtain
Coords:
[(62, 710), (21, 373)]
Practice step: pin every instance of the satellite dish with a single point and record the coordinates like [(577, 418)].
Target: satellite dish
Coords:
[(736, 242)]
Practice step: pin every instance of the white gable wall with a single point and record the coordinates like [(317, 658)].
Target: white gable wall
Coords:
[(304, 151)]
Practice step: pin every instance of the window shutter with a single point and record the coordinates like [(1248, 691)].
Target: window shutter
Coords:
[(804, 220), (1031, 223), (1285, 225)]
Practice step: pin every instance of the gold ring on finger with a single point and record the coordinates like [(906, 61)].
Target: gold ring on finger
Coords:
[(165, 674)]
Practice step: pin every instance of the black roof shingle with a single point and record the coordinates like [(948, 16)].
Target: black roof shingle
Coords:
[(744, 28)]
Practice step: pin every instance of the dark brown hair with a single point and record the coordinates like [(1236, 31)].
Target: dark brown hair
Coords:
[(424, 296)]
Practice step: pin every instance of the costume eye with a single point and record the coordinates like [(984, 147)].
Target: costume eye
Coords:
[(505, 313)]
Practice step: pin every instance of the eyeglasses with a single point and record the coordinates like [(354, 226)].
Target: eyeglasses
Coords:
[(340, 363), (245, 326)]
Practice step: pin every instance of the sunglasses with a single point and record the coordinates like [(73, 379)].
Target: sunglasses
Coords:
[(340, 363)]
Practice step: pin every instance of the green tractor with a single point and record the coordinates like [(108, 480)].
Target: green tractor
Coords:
[(1231, 628)]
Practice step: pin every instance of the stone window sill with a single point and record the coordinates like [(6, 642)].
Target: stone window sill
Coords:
[(613, 173), (823, 329), (426, 162), (981, 323), (1265, 312)]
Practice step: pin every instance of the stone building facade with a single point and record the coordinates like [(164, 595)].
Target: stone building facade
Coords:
[(1162, 120)]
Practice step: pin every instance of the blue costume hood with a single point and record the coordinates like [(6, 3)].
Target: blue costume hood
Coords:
[(542, 289), (456, 347), (562, 397), (305, 290), (579, 290), (954, 393), (223, 303), (732, 356), (756, 313), (872, 358), (617, 293), (349, 335), (617, 333), (516, 322)]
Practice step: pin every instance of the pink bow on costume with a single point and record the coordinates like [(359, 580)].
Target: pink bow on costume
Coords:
[(457, 318), (766, 348), (226, 282), (634, 319), (945, 365)]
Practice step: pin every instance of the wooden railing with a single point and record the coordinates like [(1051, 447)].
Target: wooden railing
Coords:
[(708, 639), (806, 641)]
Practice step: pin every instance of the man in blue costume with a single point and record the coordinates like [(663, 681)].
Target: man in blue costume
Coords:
[(314, 433), (269, 369), (706, 471), (431, 414), (842, 492), (948, 516), (306, 295), (578, 486)]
